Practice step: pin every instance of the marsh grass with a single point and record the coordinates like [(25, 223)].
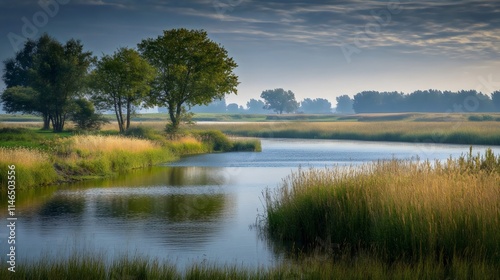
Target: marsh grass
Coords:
[(396, 210), (480, 133), (104, 155), (246, 145), (363, 267), (32, 167)]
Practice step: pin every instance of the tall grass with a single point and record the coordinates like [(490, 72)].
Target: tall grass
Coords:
[(393, 209), (102, 155), (480, 133), (363, 267), (32, 167)]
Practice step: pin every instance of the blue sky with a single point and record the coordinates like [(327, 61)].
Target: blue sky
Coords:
[(316, 48)]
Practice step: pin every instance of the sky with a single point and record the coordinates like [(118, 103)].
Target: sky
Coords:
[(317, 49)]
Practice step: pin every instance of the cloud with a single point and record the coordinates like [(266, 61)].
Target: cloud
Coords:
[(458, 29)]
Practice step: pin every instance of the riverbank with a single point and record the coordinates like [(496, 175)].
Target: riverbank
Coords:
[(468, 132), (44, 158)]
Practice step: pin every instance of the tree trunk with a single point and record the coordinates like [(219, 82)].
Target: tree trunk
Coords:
[(46, 122), (119, 117), (58, 122), (128, 114), (174, 112)]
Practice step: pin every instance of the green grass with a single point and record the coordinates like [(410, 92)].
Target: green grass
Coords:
[(364, 267), (393, 210)]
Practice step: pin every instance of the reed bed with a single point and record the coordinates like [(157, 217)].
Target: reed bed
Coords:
[(363, 267), (103, 155), (480, 133), (31, 166), (393, 209)]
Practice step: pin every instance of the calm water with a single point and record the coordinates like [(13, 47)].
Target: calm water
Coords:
[(198, 209)]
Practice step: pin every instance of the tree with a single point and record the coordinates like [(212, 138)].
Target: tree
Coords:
[(192, 70), (122, 82), (344, 104), (55, 73), (216, 106), (279, 100), (232, 108), (316, 106), (256, 106), (85, 117), (495, 97), (18, 77), (59, 77)]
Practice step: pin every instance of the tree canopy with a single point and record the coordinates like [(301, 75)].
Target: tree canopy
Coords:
[(279, 100), (52, 76), (316, 106), (122, 82), (422, 101), (344, 104), (192, 70), (256, 106)]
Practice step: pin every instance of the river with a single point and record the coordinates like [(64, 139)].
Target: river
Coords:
[(199, 209)]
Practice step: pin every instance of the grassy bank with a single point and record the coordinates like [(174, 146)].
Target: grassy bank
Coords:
[(363, 267), (42, 158), (476, 133), (393, 211)]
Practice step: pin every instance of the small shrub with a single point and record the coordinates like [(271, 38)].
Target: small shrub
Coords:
[(144, 132), (252, 145), (216, 140), (85, 117)]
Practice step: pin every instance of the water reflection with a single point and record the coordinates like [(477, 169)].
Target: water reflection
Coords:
[(173, 208), (160, 176), (61, 206)]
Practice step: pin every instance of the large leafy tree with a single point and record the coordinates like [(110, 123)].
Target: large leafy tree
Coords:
[(18, 75), (279, 100), (122, 82), (59, 76), (45, 78), (192, 70)]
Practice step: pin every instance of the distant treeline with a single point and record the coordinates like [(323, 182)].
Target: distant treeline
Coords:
[(429, 101), (426, 101)]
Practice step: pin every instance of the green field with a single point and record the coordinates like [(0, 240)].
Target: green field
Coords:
[(219, 117)]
